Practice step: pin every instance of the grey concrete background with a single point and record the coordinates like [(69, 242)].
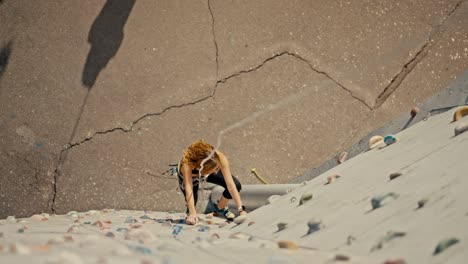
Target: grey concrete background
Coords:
[(455, 95), (169, 72)]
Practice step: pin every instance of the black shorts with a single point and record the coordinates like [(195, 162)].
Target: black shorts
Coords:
[(215, 178)]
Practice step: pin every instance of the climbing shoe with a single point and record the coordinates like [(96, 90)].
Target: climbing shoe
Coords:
[(224, 212)]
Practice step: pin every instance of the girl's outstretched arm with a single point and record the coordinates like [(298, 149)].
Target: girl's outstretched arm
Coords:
[(231, 186)]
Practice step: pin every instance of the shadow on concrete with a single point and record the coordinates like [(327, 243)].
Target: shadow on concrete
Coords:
[(105, 37), (4, 56)]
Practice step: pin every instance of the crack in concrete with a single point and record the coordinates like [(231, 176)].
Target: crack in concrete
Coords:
[(288, 53), (214, 38), (64, 151), (413, 62), (149, 173)]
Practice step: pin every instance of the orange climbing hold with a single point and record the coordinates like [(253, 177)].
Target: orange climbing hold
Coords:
[(461, 112), (287, 244)]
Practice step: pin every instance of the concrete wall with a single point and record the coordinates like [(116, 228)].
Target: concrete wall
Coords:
[(97, 97)]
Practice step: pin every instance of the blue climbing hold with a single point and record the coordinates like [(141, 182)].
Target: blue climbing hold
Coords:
[(130, 220), (383, 199), (444, 244), (140, 249), (176, 230), (203, 229), (390, 139)]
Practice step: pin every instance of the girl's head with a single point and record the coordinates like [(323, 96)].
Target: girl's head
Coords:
[(197, 152)]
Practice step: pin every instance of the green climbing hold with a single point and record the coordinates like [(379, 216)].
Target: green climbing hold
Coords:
[(385, 239), (444, 244), (395, 175), (282, 226), (305, 198), (383, 199)]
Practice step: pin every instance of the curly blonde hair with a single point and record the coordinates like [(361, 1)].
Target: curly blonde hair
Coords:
[(199, 151)]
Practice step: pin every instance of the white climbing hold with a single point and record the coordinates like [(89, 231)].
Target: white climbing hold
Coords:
[(240, 219), (461, 128), (273, 198), (376, 141)]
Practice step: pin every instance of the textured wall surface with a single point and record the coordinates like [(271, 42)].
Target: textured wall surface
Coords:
[(97, 97)]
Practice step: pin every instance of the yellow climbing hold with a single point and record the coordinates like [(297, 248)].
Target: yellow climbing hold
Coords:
[(287, 244), (375, 141)]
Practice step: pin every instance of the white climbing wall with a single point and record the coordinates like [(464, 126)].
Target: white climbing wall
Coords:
[(430, 158)]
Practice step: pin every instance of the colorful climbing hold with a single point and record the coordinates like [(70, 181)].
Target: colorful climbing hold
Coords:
[(239, 235), (422, 202), (389, 236), (240, 219), (122, 229), (176, 230), (343, 156), (332, 178), (390, 139), (110, 234), (273, 198), (36, 217), (383, 199), (130, 220), (281, 226), (341, 257), (444, 244), (395, 175), (287, 244), (140, 249), (461, 112), (305, 198), (461, 128), (314, 225), (203, 229), (250, 223), (414, 111), (375, 141), (145, 217)]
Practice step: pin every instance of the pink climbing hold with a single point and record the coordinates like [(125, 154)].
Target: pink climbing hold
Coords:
[(342, 157), (332, 178)]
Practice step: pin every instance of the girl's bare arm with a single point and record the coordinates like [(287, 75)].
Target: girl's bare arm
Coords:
[(188, 185), (231, 186)]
